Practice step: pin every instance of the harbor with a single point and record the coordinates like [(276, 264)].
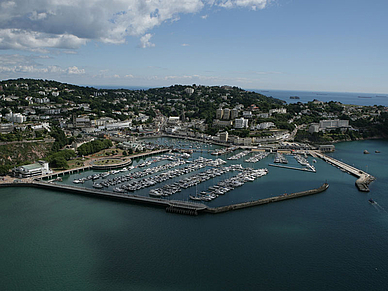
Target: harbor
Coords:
[(183, 179)]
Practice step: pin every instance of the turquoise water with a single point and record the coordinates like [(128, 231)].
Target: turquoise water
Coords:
[(335, 240)]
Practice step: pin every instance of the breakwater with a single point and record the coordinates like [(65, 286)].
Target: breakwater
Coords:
[(174, 206), (279, 198), (364, 179)]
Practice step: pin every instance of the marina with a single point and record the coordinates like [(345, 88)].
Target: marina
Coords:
[(105, 237), (174, 175)]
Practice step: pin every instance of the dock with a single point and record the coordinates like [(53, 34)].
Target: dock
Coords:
[(364, 179), (292, 168)]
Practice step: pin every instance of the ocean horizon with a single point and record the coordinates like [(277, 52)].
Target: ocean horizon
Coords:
[(354, 98)]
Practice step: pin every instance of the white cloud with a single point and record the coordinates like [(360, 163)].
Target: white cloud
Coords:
[(253, 4), (185, 44), (204, 16), (145, 41), (74, 70), (16, 64), (70, 24)]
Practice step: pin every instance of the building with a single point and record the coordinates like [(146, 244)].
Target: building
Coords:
[(247, 114), (6, 127), (15, 117), (234, 113), (279, 110), (326, 148), (189, 90), (219, 113), (224, 136), (173, 120), (314, 127), (36, 169), (333, 124), (226, 115), (223, 123), (240, 123), (265, 125)]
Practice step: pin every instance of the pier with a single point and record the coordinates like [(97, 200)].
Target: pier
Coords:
[(172, 206), (292, 168), (175, 206), (364, 179), (267, 200)]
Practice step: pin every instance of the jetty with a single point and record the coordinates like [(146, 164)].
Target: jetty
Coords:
[(267, 200), (292, 168), (172, 206), (364, 179)]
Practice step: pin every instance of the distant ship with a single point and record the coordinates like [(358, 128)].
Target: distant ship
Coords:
[(366, 152), (294, 97), (364, 97)]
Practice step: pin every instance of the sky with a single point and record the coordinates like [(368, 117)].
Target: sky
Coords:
[(319, 45)]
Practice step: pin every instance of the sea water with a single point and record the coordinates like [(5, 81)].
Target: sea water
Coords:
[(335, 240)]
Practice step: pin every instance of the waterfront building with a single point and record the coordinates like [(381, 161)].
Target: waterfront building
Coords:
[(224, 136), (326, 148), (36, 169)]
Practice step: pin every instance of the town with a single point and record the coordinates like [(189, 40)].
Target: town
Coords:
[(58, 122)]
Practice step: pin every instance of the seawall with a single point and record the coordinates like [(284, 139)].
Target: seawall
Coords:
[(267, 200)]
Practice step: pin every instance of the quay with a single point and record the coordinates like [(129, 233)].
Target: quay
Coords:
[(364, 179), (267, 200), (292, 168)]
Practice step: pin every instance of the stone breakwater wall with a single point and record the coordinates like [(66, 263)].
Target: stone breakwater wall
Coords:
[(267, 200)]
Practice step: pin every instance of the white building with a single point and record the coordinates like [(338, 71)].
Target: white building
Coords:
[(247, 114), (189, 90), (173, 120), (240, 123), (265, 125), (15, 117), (37, 169), (279, 110), (332, 124)]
